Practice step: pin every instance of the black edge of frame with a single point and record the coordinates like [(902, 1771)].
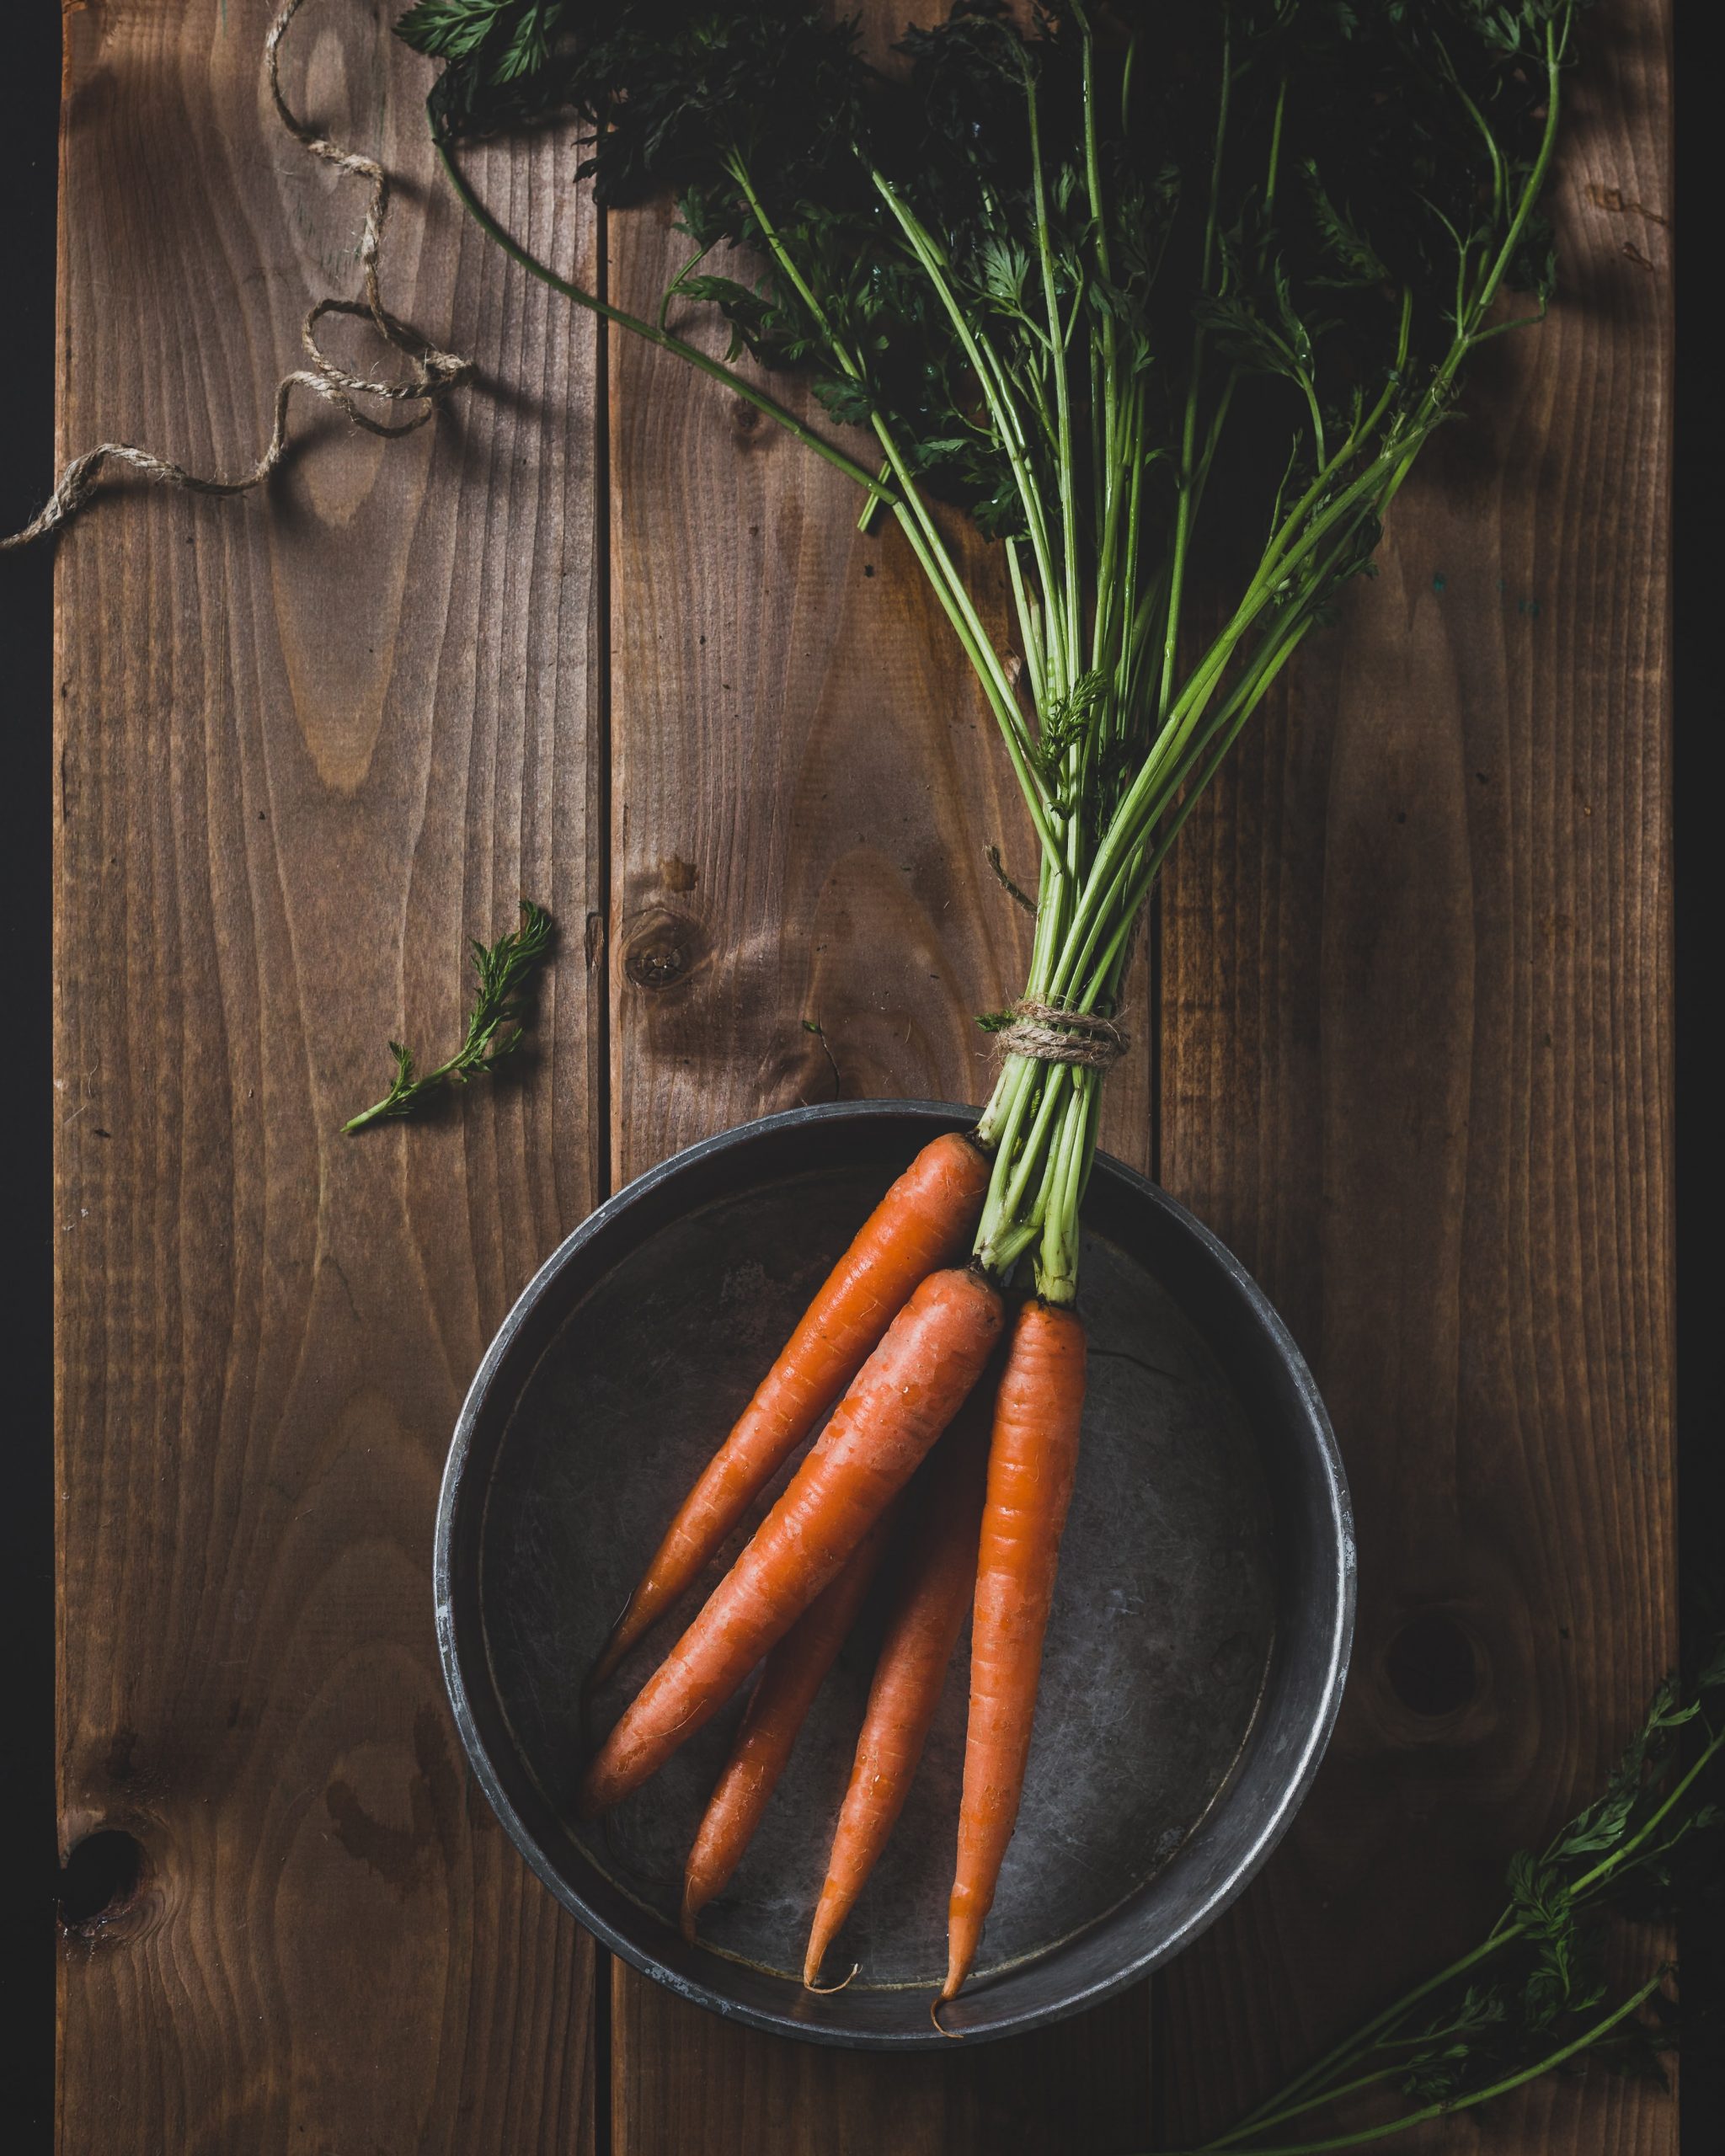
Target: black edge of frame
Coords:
[(29, 120)]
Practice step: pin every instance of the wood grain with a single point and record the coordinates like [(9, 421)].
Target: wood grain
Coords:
[(305, 744), (1416, 1062), (604, 636)]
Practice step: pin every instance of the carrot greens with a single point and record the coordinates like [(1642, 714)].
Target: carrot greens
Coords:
[(506, 971), (1167, 299), (1536, 1994)]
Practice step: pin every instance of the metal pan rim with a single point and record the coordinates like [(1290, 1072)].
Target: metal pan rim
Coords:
[(1332, 1625)]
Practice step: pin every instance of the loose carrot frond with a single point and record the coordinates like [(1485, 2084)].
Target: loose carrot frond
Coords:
[(496, 1026)]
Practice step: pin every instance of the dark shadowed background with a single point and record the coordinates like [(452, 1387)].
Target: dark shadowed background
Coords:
[(29, 99)]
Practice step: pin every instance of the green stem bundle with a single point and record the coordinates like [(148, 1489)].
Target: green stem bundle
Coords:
[(997, 306)]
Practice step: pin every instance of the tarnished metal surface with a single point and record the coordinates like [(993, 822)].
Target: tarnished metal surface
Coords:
[(1192, 1657)]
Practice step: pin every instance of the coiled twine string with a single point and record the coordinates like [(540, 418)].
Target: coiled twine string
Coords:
[(430, 373), (1048, 1033)]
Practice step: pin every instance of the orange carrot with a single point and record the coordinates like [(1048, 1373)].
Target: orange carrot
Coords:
[(1032, 1458), (924, 1221), (939, 1580), (903, 1397), (791, 1676)]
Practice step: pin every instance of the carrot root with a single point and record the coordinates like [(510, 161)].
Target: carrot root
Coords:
[(924, 1222), (938, 1582), (902, 1400), (790, 1678), (1033, 1457)]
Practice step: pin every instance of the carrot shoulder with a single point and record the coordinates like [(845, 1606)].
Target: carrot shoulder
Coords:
[(791, 1676), (934, 1597), (1033, 1457), (902, 1399), (925, 1221)]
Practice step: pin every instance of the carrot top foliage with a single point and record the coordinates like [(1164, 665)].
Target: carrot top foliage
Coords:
[(1167, 298)]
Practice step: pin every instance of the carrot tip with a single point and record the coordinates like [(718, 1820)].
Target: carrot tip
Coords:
[(935, 2005), (617, 1642), (826, 1991)]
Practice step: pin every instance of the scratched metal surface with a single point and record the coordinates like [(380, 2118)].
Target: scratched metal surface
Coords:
[(1156, 1650)]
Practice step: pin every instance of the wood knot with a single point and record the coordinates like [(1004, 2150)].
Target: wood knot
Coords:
[(101, 1881), (662, 948), (1434, 1682)]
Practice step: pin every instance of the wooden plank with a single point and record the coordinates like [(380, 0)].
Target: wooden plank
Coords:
[(304, 747), (1416, 1054), (804, 778), (305, 744)]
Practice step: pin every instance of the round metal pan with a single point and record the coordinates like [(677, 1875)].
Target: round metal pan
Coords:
[(1194, 1659)]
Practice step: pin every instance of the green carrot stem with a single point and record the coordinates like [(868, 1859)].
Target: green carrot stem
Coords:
[(652, 333), (1006, 334), (1447, 2106)]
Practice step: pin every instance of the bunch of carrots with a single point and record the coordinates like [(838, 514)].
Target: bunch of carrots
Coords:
[(1168, 300), (909, 1342)]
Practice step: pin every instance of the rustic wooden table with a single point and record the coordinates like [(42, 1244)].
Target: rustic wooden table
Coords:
[(599, 636)]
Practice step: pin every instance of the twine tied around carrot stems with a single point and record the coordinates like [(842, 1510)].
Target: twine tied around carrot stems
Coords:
[(430, 373), (1048, 1033)]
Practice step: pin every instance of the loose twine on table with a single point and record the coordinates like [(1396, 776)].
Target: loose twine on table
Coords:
[(430, 373), (1048, 1033), (1042, 1033)]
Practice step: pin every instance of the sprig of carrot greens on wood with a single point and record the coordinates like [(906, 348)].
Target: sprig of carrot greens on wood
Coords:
[(1167, 299), (1540, 1992), (496, 1026)]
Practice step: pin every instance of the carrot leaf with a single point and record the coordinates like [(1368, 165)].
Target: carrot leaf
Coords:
[(496, 1026)]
